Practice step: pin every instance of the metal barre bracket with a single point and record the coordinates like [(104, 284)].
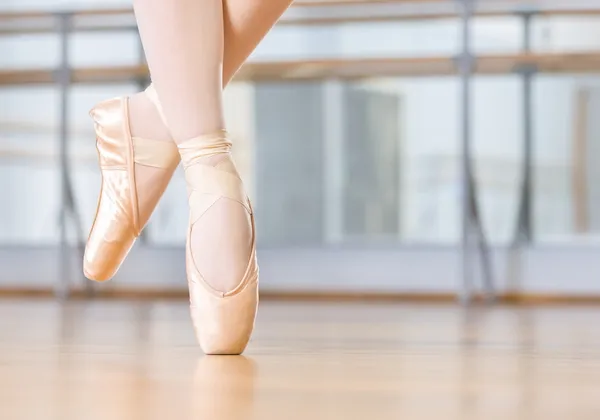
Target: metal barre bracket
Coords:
[(68, 209), (473, 231)]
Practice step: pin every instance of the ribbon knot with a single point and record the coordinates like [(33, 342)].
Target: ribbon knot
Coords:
[(192, 151)]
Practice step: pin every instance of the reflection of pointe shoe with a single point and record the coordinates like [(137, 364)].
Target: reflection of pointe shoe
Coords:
[(119, 217), (224, 388), (223, 321)]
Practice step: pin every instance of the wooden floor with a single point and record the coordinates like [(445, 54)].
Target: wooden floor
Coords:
[(138, 361)]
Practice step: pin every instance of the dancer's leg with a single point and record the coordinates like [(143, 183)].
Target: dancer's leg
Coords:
[(183, 42), (246, 22)]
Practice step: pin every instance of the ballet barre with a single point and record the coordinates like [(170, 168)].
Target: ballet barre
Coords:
[(345, 69)]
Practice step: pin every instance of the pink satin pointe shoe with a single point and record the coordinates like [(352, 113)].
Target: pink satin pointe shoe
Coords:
[(223, 321), (119, 217)]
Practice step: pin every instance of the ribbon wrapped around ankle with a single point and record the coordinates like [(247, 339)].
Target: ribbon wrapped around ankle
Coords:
[(207, 183), (192, 151)]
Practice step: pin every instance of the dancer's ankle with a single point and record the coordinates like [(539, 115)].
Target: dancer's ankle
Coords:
[(145, 120)]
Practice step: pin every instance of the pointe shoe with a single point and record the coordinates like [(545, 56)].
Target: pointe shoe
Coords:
[(118, 221), (223, 321)]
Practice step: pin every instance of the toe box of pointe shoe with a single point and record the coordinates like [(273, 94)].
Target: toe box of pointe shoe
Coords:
[(103, 258), (224, 324)]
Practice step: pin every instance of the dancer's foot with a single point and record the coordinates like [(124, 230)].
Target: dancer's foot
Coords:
[(137, 161), (221, 258)]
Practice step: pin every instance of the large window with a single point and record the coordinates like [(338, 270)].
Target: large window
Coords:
[(329, 163)]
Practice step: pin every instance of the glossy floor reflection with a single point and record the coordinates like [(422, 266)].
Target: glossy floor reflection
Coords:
[(138, 361)]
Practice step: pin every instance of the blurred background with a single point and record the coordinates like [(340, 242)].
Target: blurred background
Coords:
[(402, 156), (356, 139)]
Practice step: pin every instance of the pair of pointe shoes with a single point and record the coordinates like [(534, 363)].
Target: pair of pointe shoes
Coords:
[(223, 321)]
